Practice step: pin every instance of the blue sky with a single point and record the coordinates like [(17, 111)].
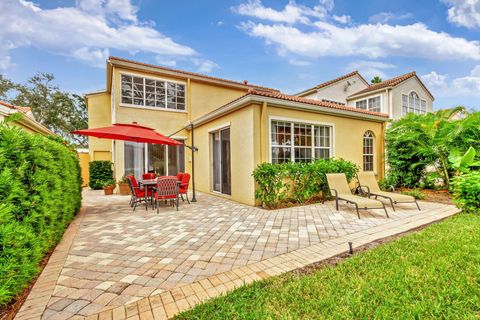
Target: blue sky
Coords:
[(289, 45)]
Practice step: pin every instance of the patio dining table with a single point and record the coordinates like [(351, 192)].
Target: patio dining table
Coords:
[(149, 183)]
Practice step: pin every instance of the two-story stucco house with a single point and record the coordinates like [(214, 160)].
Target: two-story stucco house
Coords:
[(236, 126), (395, 97)]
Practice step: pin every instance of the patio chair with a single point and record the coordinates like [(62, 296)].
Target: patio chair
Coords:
[(179, 176), (137, 194), (337, 182), (167, 189), (183, 190), (148, 176), (366, 180)]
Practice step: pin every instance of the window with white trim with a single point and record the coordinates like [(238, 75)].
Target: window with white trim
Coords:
[(372, 104), (300, 142), (368, 151), (415, 104), (362, 104), (146, 92)]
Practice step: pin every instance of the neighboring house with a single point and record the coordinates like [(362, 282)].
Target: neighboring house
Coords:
[(237, 126), (27, 122), (395, 97)]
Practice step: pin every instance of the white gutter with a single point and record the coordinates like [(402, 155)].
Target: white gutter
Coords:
[(235, 105)]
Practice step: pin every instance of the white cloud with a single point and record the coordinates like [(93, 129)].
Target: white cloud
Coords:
[(384, 17), (205, 66), (464, 13), (298, 62), (292, 13), (441, 85), (370, 69), (342, 19), (86, 31), (373, 41)]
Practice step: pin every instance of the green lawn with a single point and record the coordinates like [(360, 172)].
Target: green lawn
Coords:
[(434, 273)]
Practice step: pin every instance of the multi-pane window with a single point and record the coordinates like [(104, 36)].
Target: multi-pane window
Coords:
[(299, 142), (415, 104), (372, 104), (404, 104), (368, 151), (362, 104), (147, 92)]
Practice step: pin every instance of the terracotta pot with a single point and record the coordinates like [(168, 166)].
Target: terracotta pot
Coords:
[(108, 190), (123, 189)]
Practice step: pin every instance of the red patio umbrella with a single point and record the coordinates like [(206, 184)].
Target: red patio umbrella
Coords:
[(129, 132)]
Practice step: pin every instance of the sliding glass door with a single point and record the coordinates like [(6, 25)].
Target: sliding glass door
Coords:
[(221, 174), (161, 159)]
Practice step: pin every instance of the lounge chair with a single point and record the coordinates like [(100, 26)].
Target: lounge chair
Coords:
[(367, 181), (338, 185)]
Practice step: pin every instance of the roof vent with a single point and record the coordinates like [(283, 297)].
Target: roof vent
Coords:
[(245, 82)]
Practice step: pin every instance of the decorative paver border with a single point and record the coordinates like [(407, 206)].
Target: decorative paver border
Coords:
[(35, 304), (167, 304)]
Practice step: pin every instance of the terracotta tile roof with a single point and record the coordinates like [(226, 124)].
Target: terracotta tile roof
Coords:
[(327, 83), (19, 108), (391, 83), (188, 73), (282, 96)]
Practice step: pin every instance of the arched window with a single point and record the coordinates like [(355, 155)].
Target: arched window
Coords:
[(413, 102), (368, 151)]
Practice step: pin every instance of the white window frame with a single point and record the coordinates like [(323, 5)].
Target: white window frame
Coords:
[(145, 155), (420, 99), (128, 105), (292, 121), (367, 104), (372, 137)]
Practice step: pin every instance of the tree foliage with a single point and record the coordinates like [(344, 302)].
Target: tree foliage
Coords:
[(60, 111), (376, 79), (417, 141)]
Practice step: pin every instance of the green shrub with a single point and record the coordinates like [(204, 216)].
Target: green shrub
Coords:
[(432, 180), (99, 172), (40, 192), (308, 180), (467, 191), (417, 194)]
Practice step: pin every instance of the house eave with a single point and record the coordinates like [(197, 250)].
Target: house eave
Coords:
[(252, 99)]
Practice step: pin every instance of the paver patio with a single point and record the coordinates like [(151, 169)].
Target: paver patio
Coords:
[(121, 263)]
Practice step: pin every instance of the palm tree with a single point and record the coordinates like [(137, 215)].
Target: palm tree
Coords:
[(376, 79)]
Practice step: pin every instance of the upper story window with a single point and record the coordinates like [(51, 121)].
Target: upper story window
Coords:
[(146, 92), (291, 141), (413, 103), (372, 104)]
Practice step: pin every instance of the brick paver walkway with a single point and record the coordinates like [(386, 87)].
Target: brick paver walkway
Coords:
[(119, 263)]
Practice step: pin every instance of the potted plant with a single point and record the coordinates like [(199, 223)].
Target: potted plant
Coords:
[(123, 188), (108, 186)]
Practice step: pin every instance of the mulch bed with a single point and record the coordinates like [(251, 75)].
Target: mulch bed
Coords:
[(440, 196), (9, 311)]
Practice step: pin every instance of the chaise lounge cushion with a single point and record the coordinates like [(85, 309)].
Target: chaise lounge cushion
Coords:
[(361, 201), (397, 197)]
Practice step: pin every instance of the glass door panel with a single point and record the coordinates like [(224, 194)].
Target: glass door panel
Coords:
[(221, 173)]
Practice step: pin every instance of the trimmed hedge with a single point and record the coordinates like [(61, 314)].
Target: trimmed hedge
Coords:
[(297, 181), (100, 171), (40, 193)]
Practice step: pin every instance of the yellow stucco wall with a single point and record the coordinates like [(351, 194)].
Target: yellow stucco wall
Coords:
[(99, 115), (242, 140), (201, 98), (84, 161)]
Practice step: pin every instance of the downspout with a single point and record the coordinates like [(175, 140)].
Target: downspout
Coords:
[(114, 118)]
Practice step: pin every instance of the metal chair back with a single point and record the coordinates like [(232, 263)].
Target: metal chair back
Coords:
[(167, 186)]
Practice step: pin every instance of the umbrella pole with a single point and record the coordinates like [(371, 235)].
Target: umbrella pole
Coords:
[(194, 198)]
